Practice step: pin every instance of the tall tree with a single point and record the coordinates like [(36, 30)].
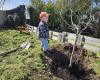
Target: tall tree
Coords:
[(54, 17), (37, 6), (74, 11)]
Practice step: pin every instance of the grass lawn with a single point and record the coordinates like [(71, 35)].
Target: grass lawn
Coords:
[(20, 65)]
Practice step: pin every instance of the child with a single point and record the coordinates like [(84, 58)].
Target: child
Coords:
[(43, 31)]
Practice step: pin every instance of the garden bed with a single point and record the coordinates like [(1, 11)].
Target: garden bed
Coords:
[(59, 64)]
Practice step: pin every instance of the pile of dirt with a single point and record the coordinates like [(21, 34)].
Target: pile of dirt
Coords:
[(60, 57)]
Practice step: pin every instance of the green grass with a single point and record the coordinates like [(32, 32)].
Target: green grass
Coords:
[(19, 65), (96, 67)]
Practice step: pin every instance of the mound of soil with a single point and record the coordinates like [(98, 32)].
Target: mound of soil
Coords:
[(60, 58)]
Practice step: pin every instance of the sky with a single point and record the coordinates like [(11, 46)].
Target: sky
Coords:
[(11, 4)]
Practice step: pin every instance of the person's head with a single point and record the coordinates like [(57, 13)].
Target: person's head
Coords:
[(44, 16)]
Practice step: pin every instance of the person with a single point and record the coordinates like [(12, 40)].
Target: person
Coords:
[(43, 31)]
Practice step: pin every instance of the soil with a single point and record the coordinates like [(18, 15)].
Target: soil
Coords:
[(59, 60)]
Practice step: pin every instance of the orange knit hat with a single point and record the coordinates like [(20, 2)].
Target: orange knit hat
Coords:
[(44, 14)]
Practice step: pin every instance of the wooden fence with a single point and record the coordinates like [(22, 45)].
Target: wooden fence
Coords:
[(88, 43)]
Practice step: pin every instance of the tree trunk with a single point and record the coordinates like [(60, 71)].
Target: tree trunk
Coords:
[(74, 46)]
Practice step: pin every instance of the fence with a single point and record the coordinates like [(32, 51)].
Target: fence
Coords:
[(88, 43)]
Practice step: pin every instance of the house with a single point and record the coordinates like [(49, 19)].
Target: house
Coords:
[(7, 17)]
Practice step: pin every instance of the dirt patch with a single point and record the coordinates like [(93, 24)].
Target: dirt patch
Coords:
[(60, 57)]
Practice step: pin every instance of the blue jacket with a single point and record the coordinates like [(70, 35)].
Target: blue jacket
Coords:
[(43, 30)]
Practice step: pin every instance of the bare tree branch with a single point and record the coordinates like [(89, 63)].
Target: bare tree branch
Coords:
[(72, 17), (88, 22), (65, 21), (2, 2), (60, 13)]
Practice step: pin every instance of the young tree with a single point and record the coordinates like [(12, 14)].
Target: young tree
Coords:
[(77, 8)]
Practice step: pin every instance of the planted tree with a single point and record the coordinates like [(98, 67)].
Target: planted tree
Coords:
[(78, 23)]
